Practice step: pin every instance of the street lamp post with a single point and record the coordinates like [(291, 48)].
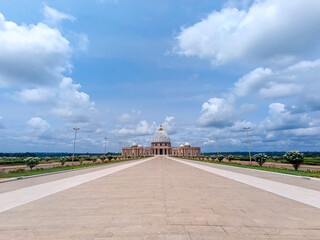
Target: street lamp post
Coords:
[(74, 142), (105, 146), (247, 129)]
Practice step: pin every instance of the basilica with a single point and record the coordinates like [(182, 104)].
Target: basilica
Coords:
[(161, 145)]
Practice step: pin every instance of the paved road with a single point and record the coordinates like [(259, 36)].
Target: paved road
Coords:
[(160, 199)]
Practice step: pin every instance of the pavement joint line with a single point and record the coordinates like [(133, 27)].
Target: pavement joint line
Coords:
[(299, 194), (257, 170), (57, 172), (15, 198)]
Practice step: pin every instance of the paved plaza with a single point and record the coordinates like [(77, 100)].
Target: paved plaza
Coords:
[(161, 198)]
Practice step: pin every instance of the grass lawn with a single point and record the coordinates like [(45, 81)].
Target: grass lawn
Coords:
[(307, 173), (17, 173)]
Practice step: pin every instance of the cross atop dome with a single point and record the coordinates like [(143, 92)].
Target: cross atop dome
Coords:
[(160, 127)]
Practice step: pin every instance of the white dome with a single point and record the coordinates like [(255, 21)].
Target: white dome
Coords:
[(134, 144), (181, 145), (187, 144), (139, 145), (161, 136)]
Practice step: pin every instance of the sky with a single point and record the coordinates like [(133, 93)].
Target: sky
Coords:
[(117, 69)]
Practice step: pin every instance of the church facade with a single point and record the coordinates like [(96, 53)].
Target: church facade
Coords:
[(161, 145)]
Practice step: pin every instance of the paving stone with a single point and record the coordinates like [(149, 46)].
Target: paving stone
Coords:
[(160, 199)]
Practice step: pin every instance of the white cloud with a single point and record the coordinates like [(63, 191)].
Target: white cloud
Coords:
[(252, 81), (169, 125), (73, 104), (53, 17), (217, 112), (280, 90), (36, 95), (34, 58), (125, 117), (238, 126), (297, 84), (300, 79), (33, 55), (38, 124), (281, 118), (143, 128), (269, 31), (129, 117)]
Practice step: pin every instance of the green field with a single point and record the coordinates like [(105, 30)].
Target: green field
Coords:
[(21, 172)]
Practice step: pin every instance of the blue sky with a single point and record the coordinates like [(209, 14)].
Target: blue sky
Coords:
[(119, 68)]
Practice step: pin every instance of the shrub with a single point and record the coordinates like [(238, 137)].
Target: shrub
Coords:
[(220, 158), (230, 158), (32, 161), (260, 158), (103, 158), (63, 160), (295, 158), (276, 158), (94, 159), (110, 158), (81, 160)]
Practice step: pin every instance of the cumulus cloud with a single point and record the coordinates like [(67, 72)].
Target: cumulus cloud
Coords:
[(269, 31), (38, 124), (129, 117), (300, 79), (169, 125), (36, 95), (252, 81), (281, 118), (53, 17), (217, 112), (296, 84), (143, 128), (73, 104), (34, 58), (238, 126), (31, 55)]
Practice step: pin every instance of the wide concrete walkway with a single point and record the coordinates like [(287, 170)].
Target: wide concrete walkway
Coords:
[(161, 199)]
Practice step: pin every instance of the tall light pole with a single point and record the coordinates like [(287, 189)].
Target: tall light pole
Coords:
[(247, 129), (74, 142), (105, 146), (217, 141)]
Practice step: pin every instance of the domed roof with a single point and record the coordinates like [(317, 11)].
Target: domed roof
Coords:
[(161, 136), (134, 144), (181, 145), (187, 144)]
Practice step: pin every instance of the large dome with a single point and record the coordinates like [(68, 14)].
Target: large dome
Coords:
[(161, 136)]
